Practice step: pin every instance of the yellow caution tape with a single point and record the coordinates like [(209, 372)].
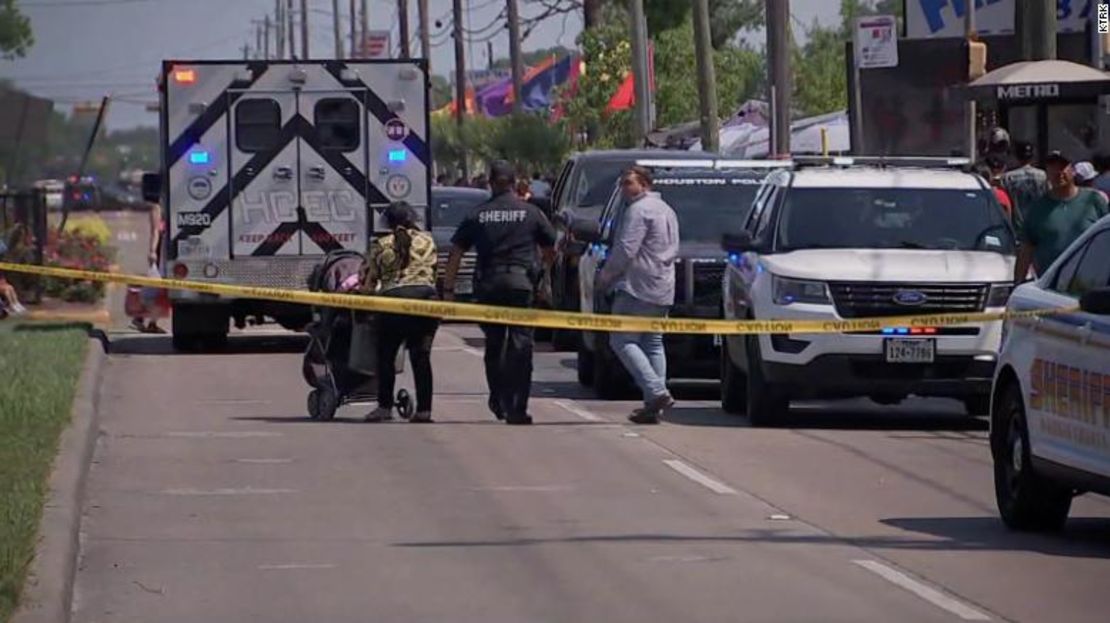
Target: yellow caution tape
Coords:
[(544, 318)]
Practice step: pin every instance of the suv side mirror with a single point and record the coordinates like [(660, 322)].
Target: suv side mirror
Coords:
[(741, 242), (1096, 301), (152, 187), (585, 230)]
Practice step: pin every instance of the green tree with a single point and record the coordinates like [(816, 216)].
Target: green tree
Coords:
[(820, 72), (15, 31), (820, 66), (608, 59), (676, 98)]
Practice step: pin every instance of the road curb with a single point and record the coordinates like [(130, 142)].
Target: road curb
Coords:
[(48, 593)]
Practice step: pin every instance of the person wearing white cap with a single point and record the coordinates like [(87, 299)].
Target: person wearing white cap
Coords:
[(1085, 176)]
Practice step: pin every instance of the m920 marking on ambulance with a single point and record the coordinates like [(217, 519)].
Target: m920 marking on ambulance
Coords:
[(267, 166)]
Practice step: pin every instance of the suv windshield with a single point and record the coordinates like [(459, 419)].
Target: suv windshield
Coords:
[(893, 218), (705, 208), (596, 181)]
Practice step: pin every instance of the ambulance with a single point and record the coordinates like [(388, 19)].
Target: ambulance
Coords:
[(1050, 411), (267, 166)]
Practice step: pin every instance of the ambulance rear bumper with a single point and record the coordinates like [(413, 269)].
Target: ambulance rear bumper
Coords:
[(270, 272)]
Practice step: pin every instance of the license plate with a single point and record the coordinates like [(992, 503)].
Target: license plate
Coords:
[(192, 248), (897, 350), (464, 287)]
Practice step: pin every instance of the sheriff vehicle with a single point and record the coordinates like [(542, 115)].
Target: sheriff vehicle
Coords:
[(1050, 420), (267, 166)]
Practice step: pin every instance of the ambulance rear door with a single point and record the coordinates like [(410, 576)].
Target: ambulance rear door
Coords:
[(333, 180), (265, 188)]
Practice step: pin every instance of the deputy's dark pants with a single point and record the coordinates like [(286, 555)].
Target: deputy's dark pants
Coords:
[(508, 355)]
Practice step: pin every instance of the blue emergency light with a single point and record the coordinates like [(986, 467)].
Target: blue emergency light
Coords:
[(198, 157), (398, 155)]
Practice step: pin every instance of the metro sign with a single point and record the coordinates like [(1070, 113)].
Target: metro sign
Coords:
[(1028, 91)]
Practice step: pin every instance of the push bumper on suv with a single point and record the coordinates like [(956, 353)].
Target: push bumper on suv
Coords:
[(845, 376)]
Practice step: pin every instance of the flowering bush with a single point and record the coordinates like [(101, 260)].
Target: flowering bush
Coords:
[(74, 248), (93, 226)]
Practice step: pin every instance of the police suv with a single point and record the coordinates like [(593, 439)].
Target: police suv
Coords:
[(708, 196), (844, 238), (267, 166), (1050, 420)]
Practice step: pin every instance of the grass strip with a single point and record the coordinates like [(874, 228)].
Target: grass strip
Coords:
[(40, 365)]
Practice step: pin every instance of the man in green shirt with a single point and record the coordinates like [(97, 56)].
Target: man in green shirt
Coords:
[(1055, 220)]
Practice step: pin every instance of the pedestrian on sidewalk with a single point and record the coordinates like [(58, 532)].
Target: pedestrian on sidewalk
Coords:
[(641, 273), (1085, 177), (9, 300), (1056, 219), (156, 232), (506, 232), (402, 264), (1025, 183)]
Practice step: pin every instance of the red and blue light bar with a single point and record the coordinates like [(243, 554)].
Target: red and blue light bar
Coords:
[(910, 331)]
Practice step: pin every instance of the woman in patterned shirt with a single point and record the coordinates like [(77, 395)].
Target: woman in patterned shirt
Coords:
[(403, 264)]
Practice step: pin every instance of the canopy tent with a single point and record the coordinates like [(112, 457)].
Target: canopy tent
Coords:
[(751, 141)]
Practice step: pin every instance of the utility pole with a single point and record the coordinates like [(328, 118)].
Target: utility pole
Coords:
[(354, 31), (337, 29), (364, 25), (460, 73), (640, 70), (304, 29), (778, 49), (517, 64), (970, 111), (489, 56), (279, 30), (403, 18), (246, 51), (707, 79), (291, 29), (425, 33), (266, 38), (258, 52), (1035, 23)]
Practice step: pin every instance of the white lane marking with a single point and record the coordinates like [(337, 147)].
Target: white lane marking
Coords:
[(210, 434), (232, 401), (686, 470), (579, 411), (923, 591), (296, 566), (528, 488), (243, 491), (264, 461), (127, 236)]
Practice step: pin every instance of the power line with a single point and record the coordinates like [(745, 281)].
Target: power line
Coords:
[(80, 3)]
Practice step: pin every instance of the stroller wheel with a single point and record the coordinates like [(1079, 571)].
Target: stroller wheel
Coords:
[(314, 404), (327, 405), (405, 406)]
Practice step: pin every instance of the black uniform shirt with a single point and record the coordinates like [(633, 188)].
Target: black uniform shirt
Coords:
[(505, 232)]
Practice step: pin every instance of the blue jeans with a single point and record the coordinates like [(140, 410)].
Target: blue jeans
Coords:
[(641, 353)]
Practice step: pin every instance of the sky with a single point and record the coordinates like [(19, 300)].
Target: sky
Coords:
[(85, 49)]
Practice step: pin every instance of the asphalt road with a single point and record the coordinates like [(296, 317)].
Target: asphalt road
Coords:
[(212, 497)]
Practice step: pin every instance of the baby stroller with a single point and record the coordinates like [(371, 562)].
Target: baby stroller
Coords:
[(327, 361)]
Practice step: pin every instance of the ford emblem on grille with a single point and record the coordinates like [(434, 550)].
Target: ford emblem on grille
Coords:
[(910, 298)]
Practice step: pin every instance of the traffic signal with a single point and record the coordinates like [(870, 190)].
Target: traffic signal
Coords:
[(976, 59)]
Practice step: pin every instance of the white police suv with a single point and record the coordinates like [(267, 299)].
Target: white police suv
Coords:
[(843, 238), (1050, 420)]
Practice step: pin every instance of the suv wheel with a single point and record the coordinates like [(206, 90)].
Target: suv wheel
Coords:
[(585, 364), (1025, 500), (978, 405), (766, 404), (733, 384)]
